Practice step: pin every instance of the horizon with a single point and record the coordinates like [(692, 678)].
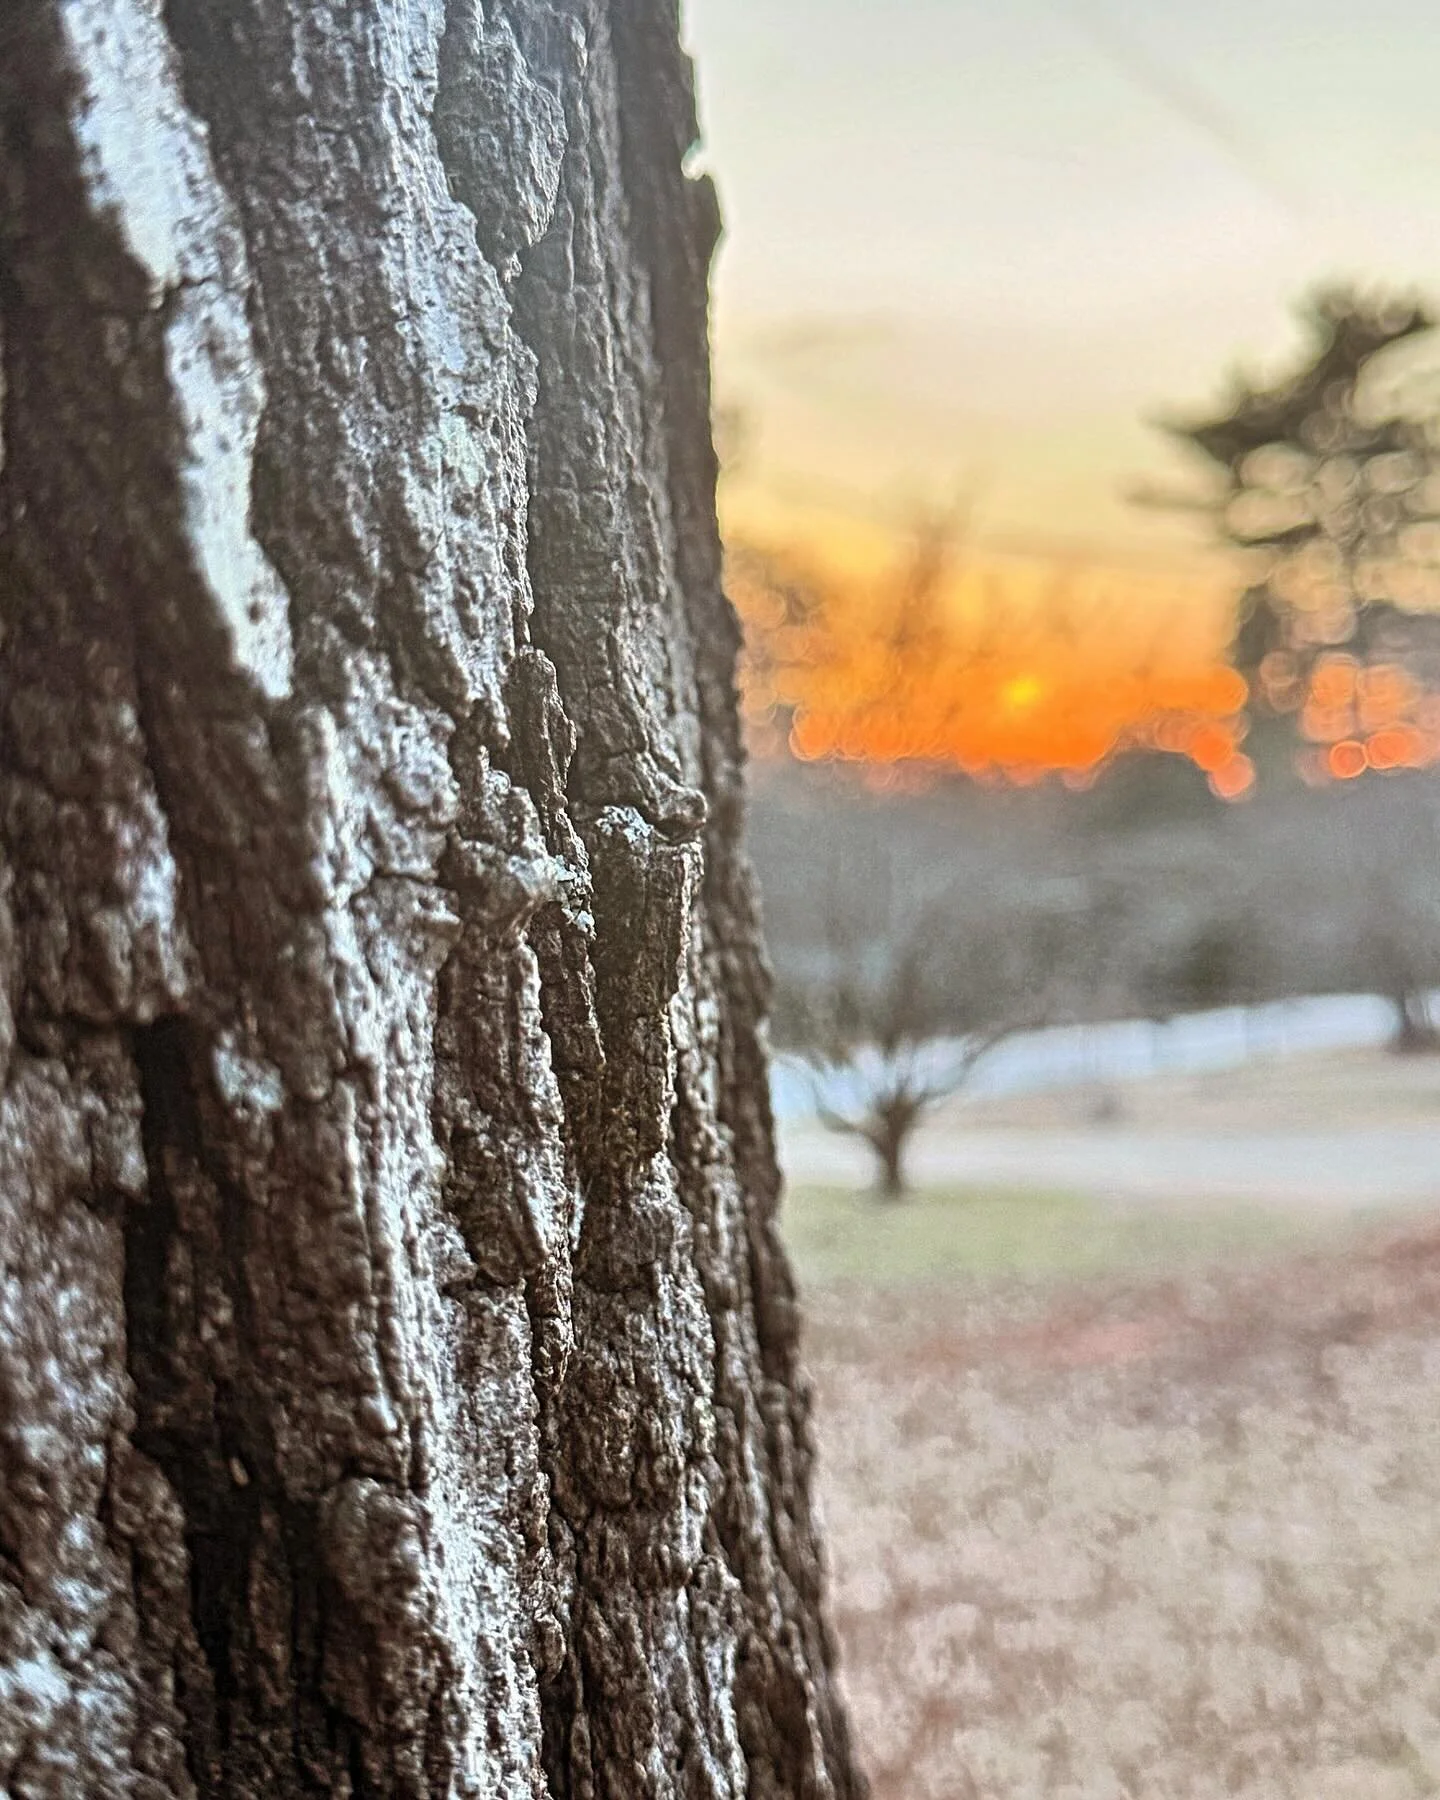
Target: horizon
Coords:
[(973, 256)]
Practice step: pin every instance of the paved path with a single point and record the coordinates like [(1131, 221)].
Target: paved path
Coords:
[(1362, 1167)]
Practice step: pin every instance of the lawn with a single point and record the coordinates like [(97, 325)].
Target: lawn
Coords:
[(837, 1234), (1124, 1500)]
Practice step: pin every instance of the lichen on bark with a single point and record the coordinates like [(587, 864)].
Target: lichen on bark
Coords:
[(398, 1381)]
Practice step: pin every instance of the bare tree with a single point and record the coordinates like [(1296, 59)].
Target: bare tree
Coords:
[(397, 1360), (904, 997)]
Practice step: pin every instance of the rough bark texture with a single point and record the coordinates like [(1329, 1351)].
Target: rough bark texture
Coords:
[(398, 1390)]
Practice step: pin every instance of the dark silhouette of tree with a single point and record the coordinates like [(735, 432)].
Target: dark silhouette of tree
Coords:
[(1329, 480)]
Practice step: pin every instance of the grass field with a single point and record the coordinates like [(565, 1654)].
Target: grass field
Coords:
[(1127, 1500), (985, 1234)]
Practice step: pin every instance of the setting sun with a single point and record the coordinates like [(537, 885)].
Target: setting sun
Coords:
[(1021, 692), (994, 667)]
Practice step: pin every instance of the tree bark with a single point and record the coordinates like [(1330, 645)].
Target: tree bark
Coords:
[(398, 1377)]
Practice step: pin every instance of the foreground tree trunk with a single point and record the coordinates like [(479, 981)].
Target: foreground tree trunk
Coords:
[(398, 1390)]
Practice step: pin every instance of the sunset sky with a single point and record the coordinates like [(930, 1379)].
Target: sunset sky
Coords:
[(974, 244)]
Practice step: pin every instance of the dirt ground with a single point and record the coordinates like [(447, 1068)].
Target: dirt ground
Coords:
[(1143, 1533)]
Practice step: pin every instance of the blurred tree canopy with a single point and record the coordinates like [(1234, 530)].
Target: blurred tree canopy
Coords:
[(1329, 481)]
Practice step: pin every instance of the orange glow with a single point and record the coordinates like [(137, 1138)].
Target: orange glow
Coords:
[(1211, 745), (1333, 684), (1234, 778), (1396, 747), (1347, 759), (1014, 671), (1007, 670), (1376, 717), (1021, 693)]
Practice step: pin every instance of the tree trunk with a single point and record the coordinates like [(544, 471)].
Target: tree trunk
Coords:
[(890, 1142), (398, 1386), (1415, 1031)]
